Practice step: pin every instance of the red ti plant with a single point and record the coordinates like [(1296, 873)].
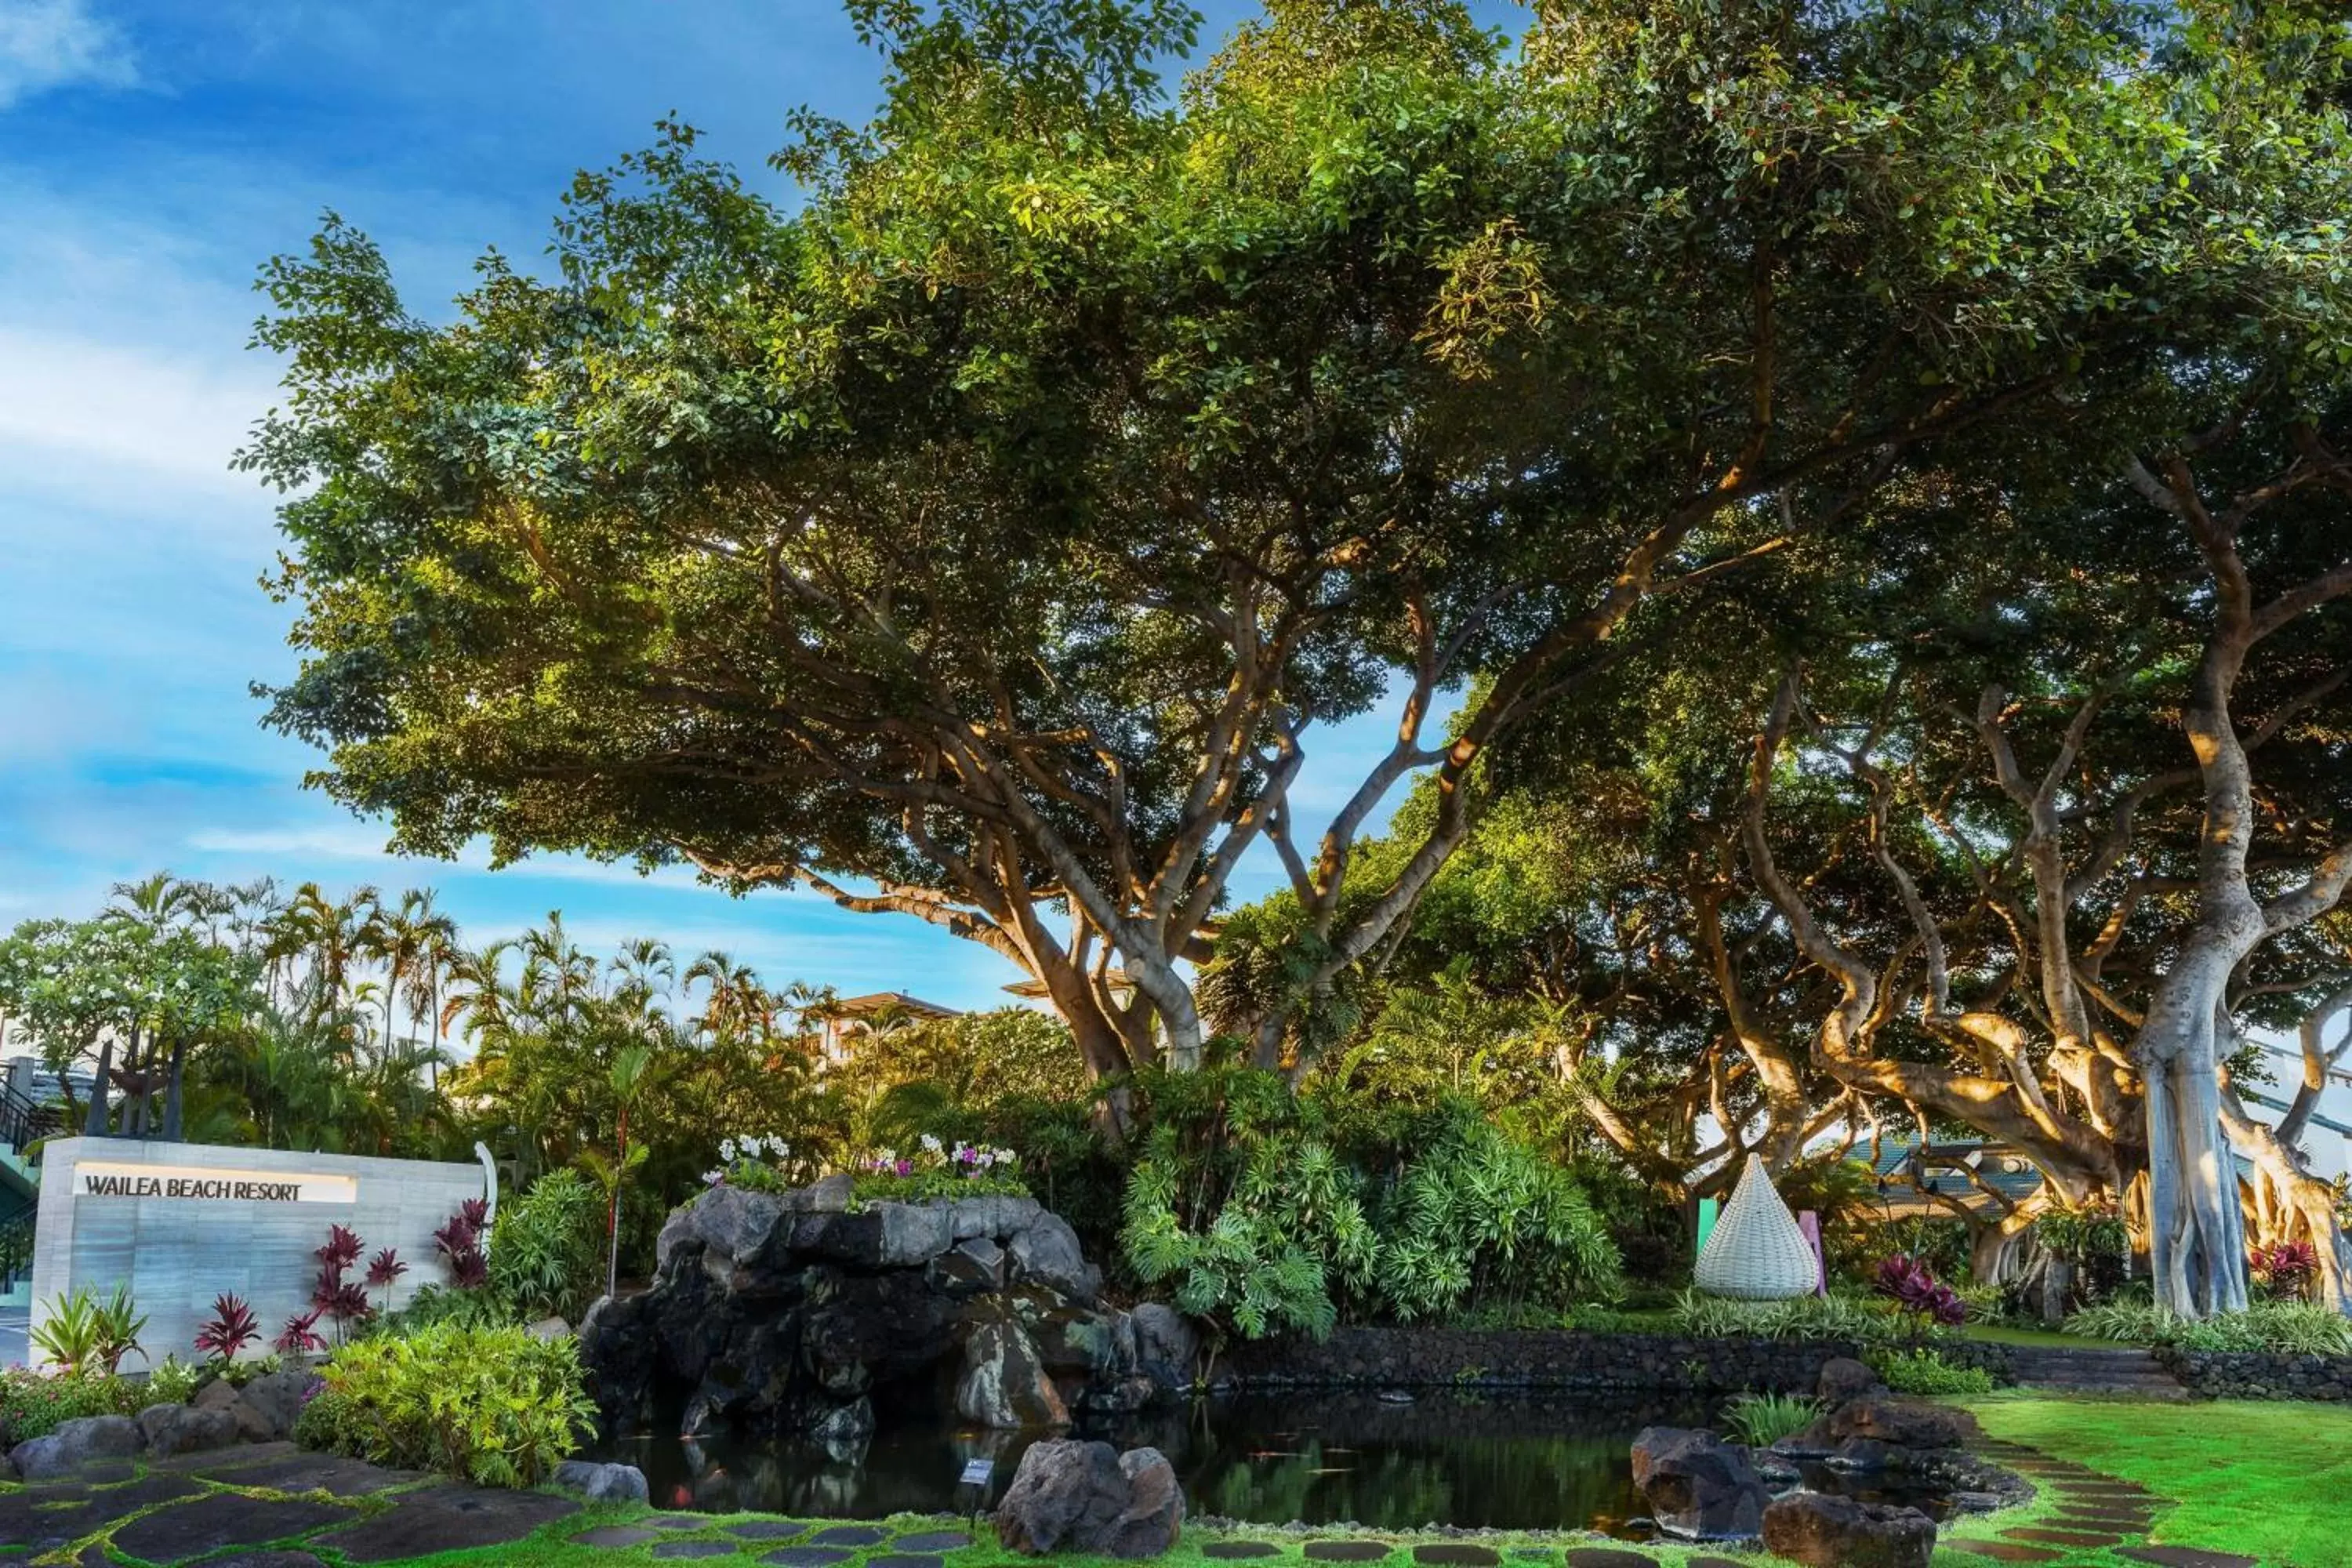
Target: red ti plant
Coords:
[(2288, 1267), (384, 1269), (344, 1300), (1915, 1291), (299, 1335), (229, 1330), (459, 1242)]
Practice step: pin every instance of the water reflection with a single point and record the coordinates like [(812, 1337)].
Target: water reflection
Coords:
[(1513, 1462)]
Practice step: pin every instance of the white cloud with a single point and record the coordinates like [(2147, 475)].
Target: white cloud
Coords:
[(82, 399), (47, 44)]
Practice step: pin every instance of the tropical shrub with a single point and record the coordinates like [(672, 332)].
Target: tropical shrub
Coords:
[(1700, 1316), (2291, 1327), (493, 1407), (436, 1304), (547, 1249), (342, 1301), (229, 1330), (86, 1332), (1919, 1371), (1761, 1420), (1919, 1295), (173, 1382), (32, 1404), (1266, 1212), (2286, 1269), (459, 1243), (936, 1170)]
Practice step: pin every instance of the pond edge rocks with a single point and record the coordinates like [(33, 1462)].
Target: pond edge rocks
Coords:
[(776, 1313)]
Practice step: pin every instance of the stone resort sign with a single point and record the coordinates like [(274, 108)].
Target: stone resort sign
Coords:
[(99, 1179), (181, 1224)]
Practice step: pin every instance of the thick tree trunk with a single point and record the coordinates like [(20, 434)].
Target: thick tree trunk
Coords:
[(171, 1094), (95, 1126), (2196, 1235)]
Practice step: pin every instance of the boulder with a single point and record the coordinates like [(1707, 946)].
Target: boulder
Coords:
[(76, 1443), (1003, 1382), (1047, 1252), (1074, 1497), (1698, 1487), (274, 1401), (549, 1329), (220, 1394), (734, 1223), (844, 1431), (1147, 1526), (1825, 1532), (602, 1483), (828, 1194), (1166, 1348), (1902, 1423), (1843, 1378), (171, 1429), (969, 1266), (996, 1217)]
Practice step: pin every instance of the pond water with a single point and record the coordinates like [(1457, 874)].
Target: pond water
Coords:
[(1507, 1462)]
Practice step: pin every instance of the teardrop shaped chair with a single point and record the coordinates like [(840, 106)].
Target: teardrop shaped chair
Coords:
[(1757, 1253)]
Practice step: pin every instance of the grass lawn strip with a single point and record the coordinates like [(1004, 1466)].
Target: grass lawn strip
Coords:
[(2271, 1481)]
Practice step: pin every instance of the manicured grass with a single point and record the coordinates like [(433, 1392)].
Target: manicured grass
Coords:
[(2007, 1334), (2265, 1480)]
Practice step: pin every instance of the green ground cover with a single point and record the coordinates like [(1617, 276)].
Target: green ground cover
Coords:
[(2265, 1480)]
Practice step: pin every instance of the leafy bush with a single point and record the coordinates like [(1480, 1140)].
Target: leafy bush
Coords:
[(84, 1332), (2289, 1327), (1924, 1372), (1250, 1201), (1917, 1294), (31, 1405), (547, 1249), (229, 1330), (173, 1382), (937, 1171), (1761, 1420), (1805, 1317), (2285, 1271), (436, 1304), (493, 1407)]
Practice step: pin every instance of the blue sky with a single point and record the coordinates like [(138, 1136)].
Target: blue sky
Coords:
[(150, 155)]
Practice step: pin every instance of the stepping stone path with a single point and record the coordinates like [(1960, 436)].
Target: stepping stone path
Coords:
[(1347, 1551), (933, 1541), (1239, 1550), (2092, 1511), (1457, 1554), (678, 1522), (614, 1535), (849, 1535), (770, 1529), (809, 1556), (902, 1560), (2004, 1551), (183, 1532), (694, 1548), (2186, 1557), (1608, 1557)]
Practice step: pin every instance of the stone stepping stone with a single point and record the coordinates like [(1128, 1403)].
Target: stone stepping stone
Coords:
[(769, 1529), (35, 1519), (614, 1535), (180, 1532), (849, 1535), (1457, 1554), (1608, 1557), (335, 1474), (694, 1548), (1349, 1550), (678, 1521), (2062, 1537), (446, 1519), (1239, 1550), (265, 1559), (903, 1559), (204, 1462), (2004, 1551), (933, 1541), (1712, 1563), (2185, 1557), (809, 1556)]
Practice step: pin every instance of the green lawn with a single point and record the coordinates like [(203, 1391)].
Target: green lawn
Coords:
[(2007, 1335), (2271, 1481)]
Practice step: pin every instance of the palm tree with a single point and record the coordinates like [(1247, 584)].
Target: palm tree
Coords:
[(401, 938)]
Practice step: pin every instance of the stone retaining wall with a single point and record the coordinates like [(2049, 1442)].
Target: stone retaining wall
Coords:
[(1529, 1358), (1569, 1360), (2258, 1374)]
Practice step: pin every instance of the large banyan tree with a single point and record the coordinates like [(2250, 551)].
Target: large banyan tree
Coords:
[(989, 537)]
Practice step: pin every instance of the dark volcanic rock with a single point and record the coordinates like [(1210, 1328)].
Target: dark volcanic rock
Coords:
[(1902, 1423), (1089, 1498), (1824, 1531), (1697, 1485), (1845, 1378)]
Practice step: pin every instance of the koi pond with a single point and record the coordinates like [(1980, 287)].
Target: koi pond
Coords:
[(1506, 1461)]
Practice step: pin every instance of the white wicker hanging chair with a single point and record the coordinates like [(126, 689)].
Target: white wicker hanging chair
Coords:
[(1755, 1252)]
